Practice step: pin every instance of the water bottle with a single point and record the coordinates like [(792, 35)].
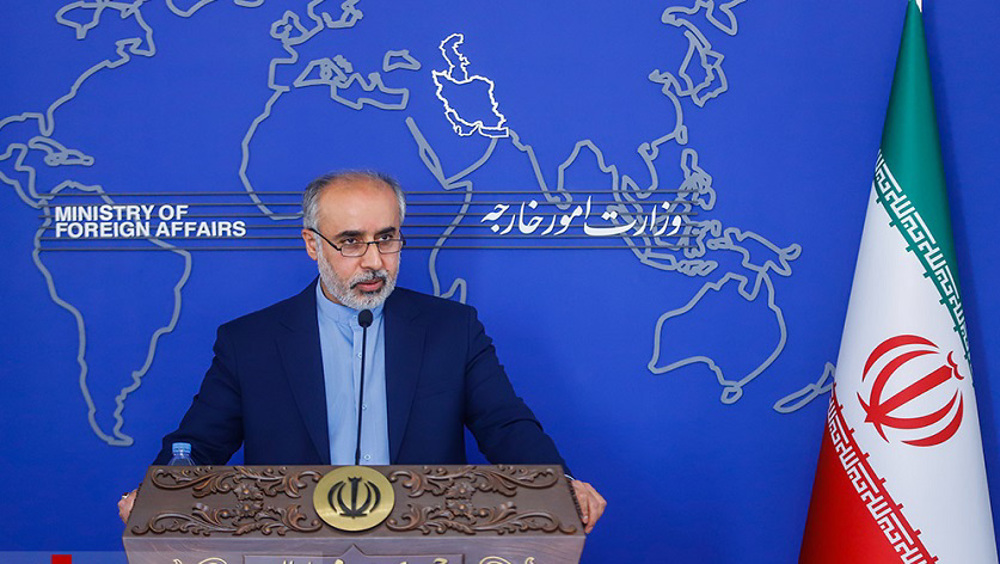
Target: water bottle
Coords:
[(182, 455)]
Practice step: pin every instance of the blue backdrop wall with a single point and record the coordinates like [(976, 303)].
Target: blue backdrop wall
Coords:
[(678, 360)]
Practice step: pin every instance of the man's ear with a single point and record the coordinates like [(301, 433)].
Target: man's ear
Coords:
[(310, 239)]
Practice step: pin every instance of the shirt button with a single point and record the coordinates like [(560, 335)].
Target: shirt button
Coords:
[(359, 355), (368, 457), (364, 406)]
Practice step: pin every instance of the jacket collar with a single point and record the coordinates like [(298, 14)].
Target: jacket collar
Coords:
[(404, 345), (302, 360)]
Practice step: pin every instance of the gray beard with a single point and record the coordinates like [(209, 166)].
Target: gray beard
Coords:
[(343, 290)]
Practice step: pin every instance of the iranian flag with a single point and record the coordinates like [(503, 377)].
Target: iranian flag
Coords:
[(901, 476)]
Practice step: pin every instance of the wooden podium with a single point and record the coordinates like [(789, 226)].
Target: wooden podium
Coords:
[(354, 515)]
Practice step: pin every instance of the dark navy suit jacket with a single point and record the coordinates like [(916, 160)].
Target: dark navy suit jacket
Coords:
[(265, 389)]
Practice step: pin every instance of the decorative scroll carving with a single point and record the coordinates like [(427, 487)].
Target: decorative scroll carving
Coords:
[(251, 513), (501, 520), (205, 521), (458, 513), (204, 480), (503, 480)]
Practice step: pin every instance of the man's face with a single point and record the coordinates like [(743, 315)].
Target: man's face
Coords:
[(352, 211)]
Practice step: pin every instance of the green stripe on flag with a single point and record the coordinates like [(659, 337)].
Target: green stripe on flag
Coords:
[(921, 242), (912, 151)]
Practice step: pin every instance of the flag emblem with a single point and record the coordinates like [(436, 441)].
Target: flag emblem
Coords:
[(907, 390)]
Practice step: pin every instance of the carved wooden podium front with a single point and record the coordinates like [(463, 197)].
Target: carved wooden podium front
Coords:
[(354, 515)]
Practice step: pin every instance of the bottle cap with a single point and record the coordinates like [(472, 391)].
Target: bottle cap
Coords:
[(182, 448)]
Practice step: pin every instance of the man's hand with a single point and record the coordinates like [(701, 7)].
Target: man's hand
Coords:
[(591, 503), (125, 505)]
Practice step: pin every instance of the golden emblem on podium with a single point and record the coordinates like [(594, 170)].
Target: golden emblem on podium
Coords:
[(353, 498)]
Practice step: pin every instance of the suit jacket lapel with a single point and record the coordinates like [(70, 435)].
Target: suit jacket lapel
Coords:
[(302, 361), (404, 344)]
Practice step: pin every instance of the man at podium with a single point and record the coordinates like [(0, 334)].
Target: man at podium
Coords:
[(353, 370)]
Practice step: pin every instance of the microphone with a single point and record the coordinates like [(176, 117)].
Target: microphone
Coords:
[(365, 319)]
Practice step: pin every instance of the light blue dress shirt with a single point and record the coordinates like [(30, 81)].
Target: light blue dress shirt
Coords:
[(340, 343)]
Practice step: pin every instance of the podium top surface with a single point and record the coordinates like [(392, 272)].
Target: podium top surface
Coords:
[(432, 501)]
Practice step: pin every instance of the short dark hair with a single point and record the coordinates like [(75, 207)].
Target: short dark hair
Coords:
[(311, 195)]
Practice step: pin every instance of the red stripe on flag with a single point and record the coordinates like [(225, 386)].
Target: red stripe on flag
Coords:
[(852, 517), (62, 559)]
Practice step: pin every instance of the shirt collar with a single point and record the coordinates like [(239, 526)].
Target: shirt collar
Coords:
[(338, 313)]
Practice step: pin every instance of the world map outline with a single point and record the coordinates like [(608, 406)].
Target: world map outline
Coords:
[(338, 75)]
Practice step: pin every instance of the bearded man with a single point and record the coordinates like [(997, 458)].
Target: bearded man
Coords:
[(285, 381)]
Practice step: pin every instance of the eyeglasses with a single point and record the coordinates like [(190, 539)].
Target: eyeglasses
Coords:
[(354, 250)]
